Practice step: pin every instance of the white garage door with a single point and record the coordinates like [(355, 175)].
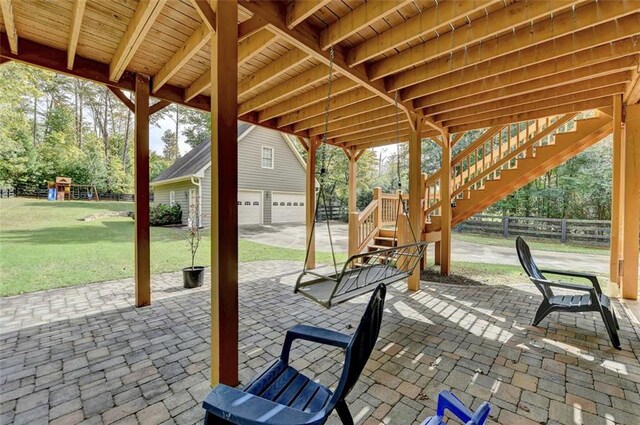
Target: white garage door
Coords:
[(249, 207), (288, 208)]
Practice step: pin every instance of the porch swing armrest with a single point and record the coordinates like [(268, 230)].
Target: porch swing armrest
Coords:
[(313, 334)]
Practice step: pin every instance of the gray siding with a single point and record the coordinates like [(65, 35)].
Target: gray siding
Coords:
[(206, 197), (287, 175), (161, 195)]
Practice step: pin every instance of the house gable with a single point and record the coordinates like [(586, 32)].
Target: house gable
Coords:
[(288, 172)]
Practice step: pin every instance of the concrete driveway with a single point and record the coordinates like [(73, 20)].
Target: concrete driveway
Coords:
[(293, 236)]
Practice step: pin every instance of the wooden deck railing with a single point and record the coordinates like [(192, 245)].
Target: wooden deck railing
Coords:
[(499, 148)]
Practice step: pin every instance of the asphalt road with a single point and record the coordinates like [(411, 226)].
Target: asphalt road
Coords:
[(293, 236)]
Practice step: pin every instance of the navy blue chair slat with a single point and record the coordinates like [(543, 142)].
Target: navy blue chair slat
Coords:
[(305, 397), (319, 400), (293, 391), (282, 395), (278, 385)]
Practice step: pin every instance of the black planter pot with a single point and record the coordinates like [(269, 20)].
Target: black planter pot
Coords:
[(193, 277)]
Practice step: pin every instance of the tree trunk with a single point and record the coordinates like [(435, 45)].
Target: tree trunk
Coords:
[(81, 99), (105, 131), (35, 120), (126, 140)]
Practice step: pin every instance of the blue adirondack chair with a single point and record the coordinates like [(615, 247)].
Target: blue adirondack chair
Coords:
[(283, 396), (447, 401)]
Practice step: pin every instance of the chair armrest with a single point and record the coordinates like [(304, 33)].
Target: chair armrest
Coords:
[(563, 285), (589, 276), (448, 401), (313, 334), (243, 408)]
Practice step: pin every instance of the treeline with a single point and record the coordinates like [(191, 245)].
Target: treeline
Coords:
[(52, 125)]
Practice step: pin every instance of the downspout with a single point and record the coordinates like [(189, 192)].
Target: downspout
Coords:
[(198, 183)]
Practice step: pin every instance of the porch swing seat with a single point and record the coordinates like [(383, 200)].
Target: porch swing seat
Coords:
[(361, 274)]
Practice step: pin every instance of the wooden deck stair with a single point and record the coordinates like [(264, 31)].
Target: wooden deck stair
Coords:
[(501, 161), (521, 166)]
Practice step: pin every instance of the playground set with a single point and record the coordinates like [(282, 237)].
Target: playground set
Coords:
[(62, 189)]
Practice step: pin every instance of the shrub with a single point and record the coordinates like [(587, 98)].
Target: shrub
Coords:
[(162, 215)]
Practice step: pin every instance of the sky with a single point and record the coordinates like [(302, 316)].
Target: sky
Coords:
[(155, 136)]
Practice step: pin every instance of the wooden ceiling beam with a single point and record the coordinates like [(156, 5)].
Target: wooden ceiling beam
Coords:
[(304, 100), (500, 58), (336, 104), (299, 10), (123, 98), (46, 57), (632, 92), (540, 89), (367, 136), (74, 34), (206, 13), (444, 13), (387, 124), (193, 45), (201, 84), (373, 141), (273, 70), (247, 49), (283, 90), (495, 23), (454, 119), (364, 116), (337, 114), (573, 45), (359, 18), (538, 76), (139, 25), (305, 38), (250, 27), (9, 25), (542, 113)]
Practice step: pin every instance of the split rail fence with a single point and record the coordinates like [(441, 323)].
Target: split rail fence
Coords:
[(583, 232)]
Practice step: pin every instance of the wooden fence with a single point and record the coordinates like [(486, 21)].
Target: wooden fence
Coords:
[(583, 232)]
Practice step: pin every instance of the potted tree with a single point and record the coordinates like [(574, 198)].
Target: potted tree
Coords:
[(193, 276)]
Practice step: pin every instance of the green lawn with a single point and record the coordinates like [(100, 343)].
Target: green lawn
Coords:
[(46, 245), (534, 244)]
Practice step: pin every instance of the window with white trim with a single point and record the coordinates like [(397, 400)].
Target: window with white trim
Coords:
[(267, 157), (172, 198)]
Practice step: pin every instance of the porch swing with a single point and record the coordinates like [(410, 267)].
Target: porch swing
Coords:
[(362, 272)]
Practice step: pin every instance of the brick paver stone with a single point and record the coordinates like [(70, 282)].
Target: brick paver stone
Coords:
[(86, 355)]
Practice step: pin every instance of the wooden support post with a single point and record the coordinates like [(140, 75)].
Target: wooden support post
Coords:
[(377, 196), (224, 196), (415, 195), (629, 278), (311, 202), (445, 197), (423, 217), (141, 179), (616, 192), (353, 209)]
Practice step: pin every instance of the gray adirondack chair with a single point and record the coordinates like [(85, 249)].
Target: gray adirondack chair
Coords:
[(590, 299)]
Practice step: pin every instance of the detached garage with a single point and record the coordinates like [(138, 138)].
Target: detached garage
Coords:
[(271, 179)]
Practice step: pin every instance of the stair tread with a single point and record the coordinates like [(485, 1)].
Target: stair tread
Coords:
[(377, 247), (385, 238)]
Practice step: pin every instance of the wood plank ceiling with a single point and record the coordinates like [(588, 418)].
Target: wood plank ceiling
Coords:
[(460, 64)]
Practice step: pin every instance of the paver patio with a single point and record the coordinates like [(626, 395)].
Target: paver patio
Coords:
[(85, 354)]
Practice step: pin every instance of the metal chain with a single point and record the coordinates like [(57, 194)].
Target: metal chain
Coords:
[(395, 99), (323, 168)]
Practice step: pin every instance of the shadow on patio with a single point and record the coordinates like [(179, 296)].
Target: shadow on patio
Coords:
[(86, 353)]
